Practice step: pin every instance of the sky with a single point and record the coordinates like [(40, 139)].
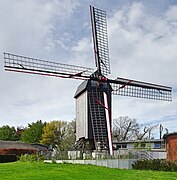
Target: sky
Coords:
[(142, 37)]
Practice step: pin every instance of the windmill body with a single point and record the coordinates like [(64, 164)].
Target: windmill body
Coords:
[(93, 115), (93, 96)]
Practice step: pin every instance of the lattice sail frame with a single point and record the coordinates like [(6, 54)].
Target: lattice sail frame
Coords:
[(132, 88), (37, 66), (100, 40)]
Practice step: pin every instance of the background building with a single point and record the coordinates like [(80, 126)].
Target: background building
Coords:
[(171, 146)]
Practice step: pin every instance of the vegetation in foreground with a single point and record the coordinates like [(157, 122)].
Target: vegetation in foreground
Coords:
[(33, 170), (155, 165)]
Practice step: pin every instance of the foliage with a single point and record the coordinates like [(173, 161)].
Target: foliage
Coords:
[(142, 145), (53, 133), (19, 131), (7, 158), (155, 164), (17, 151), (8, 133), (33, 133), (32, 170), (31, 158), (58, 134)]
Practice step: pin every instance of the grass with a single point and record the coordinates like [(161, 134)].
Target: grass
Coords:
[(27, 170)]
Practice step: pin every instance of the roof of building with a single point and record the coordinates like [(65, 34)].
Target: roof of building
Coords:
[(15, 144), (38, 144), (165, 136), (40, 147), (21, 145), (138, 141)]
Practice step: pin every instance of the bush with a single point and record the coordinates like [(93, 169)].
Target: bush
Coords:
[(155, 164), (8, 158), (31, 158)]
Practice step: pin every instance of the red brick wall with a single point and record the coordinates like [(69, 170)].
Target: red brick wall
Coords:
[(172, 147)]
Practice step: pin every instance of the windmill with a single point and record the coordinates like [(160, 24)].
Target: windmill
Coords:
[(93, 96)]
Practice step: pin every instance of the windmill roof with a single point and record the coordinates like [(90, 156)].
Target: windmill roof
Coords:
[(81, 88)]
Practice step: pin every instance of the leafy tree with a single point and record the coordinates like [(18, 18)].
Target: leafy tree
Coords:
[(19, 131), (59, 134), (33, 133), (8, 133)]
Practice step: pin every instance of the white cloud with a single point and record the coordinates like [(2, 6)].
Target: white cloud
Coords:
[(143, 47), (28, 26), (82, 46), (145, 44), (82, 53), (135, 14), (171, 13)]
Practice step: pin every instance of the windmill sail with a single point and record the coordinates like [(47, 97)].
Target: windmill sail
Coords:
[(132, 88), (36, 66), (100, 40)]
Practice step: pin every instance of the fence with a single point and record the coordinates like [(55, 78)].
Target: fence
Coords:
[(118, 154), (122, 159), (111, 163), (139, 154)]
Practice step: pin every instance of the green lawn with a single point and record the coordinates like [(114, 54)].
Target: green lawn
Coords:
[(25, 170)]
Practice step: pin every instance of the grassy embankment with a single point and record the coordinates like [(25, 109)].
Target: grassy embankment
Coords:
[(26, 170)]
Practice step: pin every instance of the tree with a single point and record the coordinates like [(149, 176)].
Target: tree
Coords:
[(125, 128), (70, 135), (146, 131), (19, 131), (59, 134), (8, 133), (33, 133)]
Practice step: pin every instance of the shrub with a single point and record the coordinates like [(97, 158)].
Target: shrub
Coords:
[(31, 158), (8, 158), (155, 164)]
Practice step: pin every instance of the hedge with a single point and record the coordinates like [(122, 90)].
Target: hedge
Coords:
[(155, 164), (8, 158)]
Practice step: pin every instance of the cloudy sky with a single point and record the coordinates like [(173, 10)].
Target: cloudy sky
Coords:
[(142, 45)]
